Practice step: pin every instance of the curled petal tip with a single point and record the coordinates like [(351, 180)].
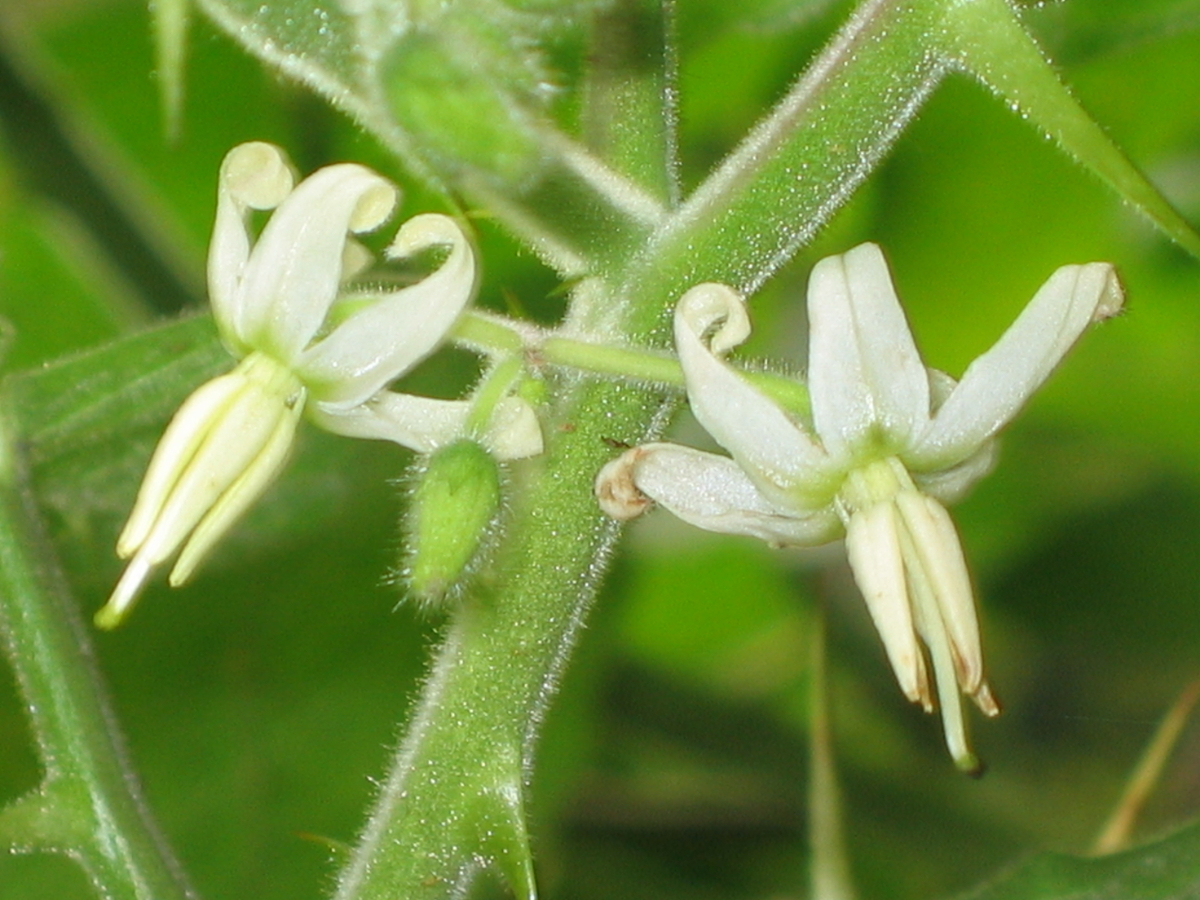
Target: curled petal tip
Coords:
[(616, 490), (1111, 293), (711, 304), (425, 231), (374, 207), (257, 174)]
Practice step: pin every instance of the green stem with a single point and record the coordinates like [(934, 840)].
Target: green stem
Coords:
[(454, 802), (801, 162), (89, 805), (624, 362), (494, 336), (629, 105), (491, 334), (492, 389), (170, 20), (830, 877)]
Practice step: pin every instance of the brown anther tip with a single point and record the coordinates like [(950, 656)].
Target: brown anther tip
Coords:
[(986, 701)]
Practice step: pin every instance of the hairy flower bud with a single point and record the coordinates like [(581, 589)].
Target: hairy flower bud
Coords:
[(453, 508)]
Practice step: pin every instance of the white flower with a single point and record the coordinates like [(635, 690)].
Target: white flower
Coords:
[(884, 444), (274, 303)]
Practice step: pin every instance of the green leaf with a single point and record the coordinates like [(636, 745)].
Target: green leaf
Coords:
[(988, 40), (104, 395), (1165, 870), (490, 131), (1078, 31), (323, 44), (56, 293)]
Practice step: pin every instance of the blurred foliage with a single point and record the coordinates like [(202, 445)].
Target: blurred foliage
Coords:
[(674, 761)]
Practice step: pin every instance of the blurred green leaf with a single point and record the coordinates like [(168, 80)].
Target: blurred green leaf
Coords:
[(1078, 31), (987, 39), (57, 292), (1166, 870)]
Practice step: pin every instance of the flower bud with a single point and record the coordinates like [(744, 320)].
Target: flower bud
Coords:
[(453, 508), (492, 129)]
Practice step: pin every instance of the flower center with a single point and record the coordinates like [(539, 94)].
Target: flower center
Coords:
[(879, 481)]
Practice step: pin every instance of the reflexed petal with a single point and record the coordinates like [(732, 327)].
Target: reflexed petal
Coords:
[(997, 384), (419, 423), (712, 492), (873, 547), (253, 176), (951, 485), (388, 337), (773, 449), (616, 490), (295, 268), (718, 309), (864, 373), (424, 424)]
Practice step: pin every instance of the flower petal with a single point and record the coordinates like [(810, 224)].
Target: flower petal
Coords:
[(229, 435), (865, 375), (997, 384), (514, 431), (951, 485), (186, 432), (419, 423), (711, 492), (873, 547), (388, 337), (939, 560), (259, 475), (232, 440), (254, 175), (775, 452), (294, 270)]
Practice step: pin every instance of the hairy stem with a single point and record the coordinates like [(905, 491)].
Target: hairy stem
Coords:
[(89, 805), (453, 803)]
